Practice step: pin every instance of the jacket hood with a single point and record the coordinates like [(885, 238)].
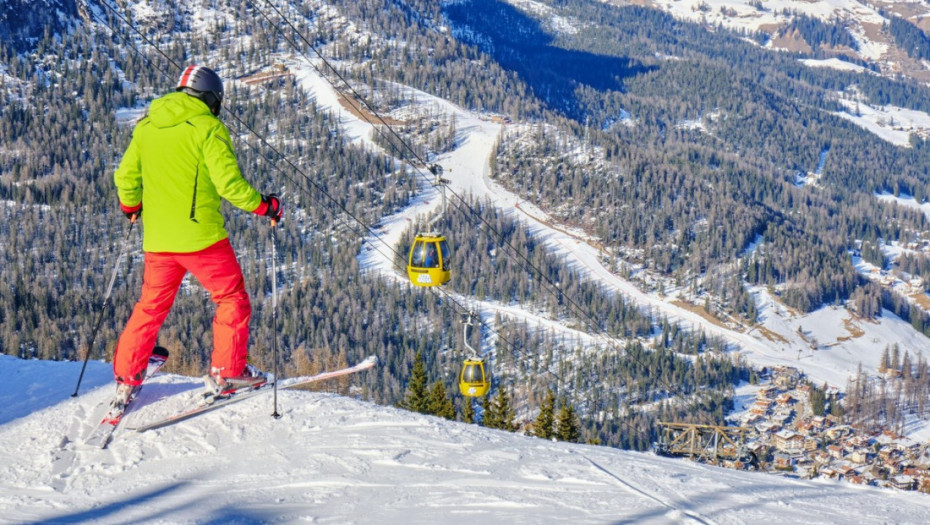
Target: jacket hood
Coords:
[(174, 108)]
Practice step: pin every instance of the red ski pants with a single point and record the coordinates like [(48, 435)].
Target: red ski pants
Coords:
[(218, 271)]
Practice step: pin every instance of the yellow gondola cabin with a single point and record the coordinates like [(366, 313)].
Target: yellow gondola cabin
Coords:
[(473, 381), (429, 263)]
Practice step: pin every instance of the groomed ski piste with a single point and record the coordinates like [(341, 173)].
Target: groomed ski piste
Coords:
[(335, 459)]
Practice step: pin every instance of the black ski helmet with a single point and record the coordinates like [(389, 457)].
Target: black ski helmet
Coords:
[(202, 83)]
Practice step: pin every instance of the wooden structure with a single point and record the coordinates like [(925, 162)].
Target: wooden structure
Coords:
[(709, 443)]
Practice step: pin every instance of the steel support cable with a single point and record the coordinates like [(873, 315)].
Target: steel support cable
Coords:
[(554, 288)]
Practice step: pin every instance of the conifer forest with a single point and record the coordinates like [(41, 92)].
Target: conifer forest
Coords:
[(679, 203)]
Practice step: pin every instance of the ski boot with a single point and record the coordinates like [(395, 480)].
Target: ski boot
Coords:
[(218, 387)]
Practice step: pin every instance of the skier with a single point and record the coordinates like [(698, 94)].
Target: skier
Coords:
[(179, 164)]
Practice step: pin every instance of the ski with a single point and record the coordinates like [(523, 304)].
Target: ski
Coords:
[(236, 397), (101, 434)]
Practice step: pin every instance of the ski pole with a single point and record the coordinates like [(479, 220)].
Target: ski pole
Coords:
[(106, 302), (274, 314)]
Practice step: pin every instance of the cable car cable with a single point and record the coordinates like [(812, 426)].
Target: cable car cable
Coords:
[(540, 275)]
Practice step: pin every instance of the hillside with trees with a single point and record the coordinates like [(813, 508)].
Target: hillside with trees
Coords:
[(682, 202)]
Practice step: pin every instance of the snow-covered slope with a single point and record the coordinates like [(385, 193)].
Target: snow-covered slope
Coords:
[(332, 459)]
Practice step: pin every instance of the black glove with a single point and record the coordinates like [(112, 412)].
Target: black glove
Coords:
[(131, 213), (270, 207)]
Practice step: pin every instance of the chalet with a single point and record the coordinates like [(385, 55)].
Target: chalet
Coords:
[(761, 407), (839, 431), (783, 461), (859, 456), (835, 451), (766, 392), (786, 376), (803, 426), (846, 471), (787, 440), (819, 423), (811, 444), (903, 482), (916, 473), (820, 456), (784, 399), (890, 435), (873, 476), (888, 452), (894, 465), (858, 441), (767, 427), (857, 479), (782, 417)]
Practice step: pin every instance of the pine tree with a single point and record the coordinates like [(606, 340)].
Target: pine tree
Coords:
[(567, 425), (883, 361), (488, 416), (468, 410), (544, 421), (818, 400), (439, 402), (417, 398), (499, 412), (895, 363)]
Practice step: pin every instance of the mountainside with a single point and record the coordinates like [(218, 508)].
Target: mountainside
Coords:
[(25, 22), (889, 36), (644, 211), (337, 459)]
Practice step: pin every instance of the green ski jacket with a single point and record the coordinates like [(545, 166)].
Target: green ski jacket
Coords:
[(179, 165)]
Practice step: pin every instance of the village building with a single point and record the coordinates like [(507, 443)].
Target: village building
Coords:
[(789, 441), (783, 461), (811, 444), (766, 392), (761, 406), (859, 456), (902, 482), (782, 417), (767, 427)]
